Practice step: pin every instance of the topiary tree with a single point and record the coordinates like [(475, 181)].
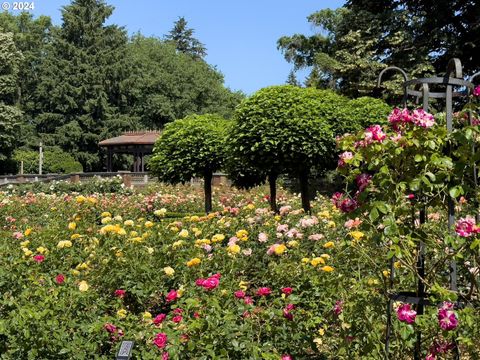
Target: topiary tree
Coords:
[(362, 112), (191, 147), (284, 129)]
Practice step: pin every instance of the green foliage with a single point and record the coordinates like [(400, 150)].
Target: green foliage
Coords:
[(10, 115), (55, 161), (190, 147), (166, 85)]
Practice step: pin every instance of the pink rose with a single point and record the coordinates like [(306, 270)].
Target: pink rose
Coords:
[(406, 314), (287, 290), (171, 296), (177, 319), (159, 319), (239, 294), (60, 279), (160, 340), (120, 293), (39, 258), (264, 291), (262, 237)]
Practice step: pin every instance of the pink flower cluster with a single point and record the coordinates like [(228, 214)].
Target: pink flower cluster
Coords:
[(466, 227), (120, 293), (405, 313), (372, 134), (115, 332), (209, 283), (447, 319), (418, 117)]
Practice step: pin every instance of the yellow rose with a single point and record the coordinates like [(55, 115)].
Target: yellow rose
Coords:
[(128, 223), (27, 252), (169, 271), (292, 244), (25, 243), (250, 206), (178, 244), (83, 286), (218, 238), (160, 212), (386, 273), (148, 224), (329, 245), (327, 268), (122, 313), (357, 235), (106, 214), (194, 218), (325, 256), (324, 214), (233, 249), (317, 261), (72, 226), (183, 233), (146, 315), (278, 217), (305, 260), (331, 224), (80, 199), (121, 231), (193, 262), (28, 232), (106, 220), (242, 235), (280, 249), (243, 285), (75, 236)]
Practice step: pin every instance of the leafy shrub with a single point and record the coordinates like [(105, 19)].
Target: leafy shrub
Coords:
[(55, 161)]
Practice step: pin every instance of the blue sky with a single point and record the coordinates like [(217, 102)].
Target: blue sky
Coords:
[(240, 36)]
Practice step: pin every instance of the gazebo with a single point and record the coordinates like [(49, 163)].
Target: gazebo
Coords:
[(137, 143)]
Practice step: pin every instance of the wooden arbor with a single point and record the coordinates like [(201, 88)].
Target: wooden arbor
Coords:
[(137, 143)]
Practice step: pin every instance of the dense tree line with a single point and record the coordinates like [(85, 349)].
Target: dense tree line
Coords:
[(72, 85), (355, 42)]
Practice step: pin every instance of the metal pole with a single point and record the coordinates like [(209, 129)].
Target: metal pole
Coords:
[(40, 159)]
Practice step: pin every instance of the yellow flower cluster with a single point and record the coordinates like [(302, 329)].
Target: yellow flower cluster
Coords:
[(64, 244), (112, 229), (233, 249)]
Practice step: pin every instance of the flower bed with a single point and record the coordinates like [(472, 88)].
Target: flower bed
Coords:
[(80, 273)]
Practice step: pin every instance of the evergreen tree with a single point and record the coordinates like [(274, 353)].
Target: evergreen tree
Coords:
[(10, 115), (82, 82), (292, 79), (182, 38)]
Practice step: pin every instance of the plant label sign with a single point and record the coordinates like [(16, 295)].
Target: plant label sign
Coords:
[(125, 351)]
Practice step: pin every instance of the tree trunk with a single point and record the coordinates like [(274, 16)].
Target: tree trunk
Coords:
[(272, 180), (303, 177), (207, 189)]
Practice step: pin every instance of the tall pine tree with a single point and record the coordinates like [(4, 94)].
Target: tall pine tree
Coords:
[(10, 114), (82, 82), (182, 38)]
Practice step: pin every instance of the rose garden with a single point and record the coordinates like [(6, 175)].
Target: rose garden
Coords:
[(254, 276)]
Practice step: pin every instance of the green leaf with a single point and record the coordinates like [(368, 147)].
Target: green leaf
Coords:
[(456, 191)]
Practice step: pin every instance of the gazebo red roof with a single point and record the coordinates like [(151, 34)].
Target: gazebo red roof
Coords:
[(132, 138)]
